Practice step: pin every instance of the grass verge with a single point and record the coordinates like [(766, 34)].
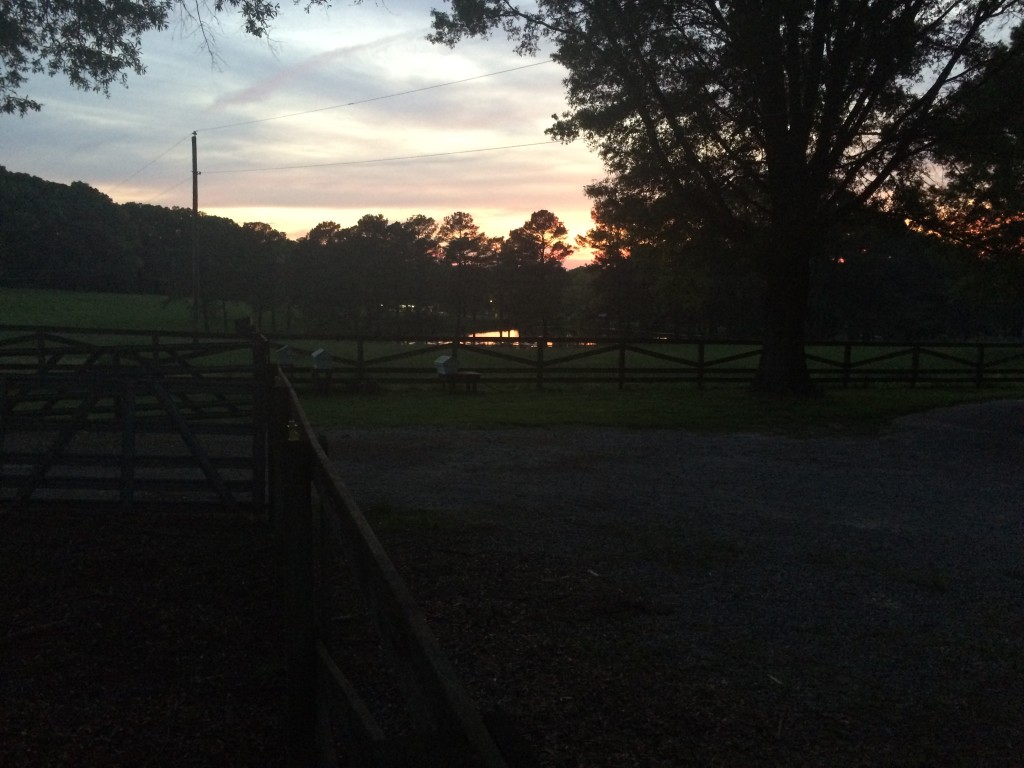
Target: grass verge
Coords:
[(667, 407)]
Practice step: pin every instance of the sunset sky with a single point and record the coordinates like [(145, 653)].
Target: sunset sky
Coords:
[(385, 126)]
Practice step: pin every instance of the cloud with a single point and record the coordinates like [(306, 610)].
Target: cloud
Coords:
[(306, 72)]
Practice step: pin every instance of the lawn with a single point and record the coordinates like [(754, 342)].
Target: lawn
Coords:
[(727, 409)]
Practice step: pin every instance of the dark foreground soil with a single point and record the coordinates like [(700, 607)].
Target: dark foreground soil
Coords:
[(627, 598), (138, 641)]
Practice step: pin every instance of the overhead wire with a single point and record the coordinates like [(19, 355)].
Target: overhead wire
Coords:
[(373, 98), (341, 106), (174, 186), (379, 160), (144, 167)]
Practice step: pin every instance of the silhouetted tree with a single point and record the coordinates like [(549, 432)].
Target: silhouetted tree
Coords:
[(366, 278), (469, 257), (261, 279), (531, 272), (161, 243), (96, 44), (70, 237), (977, 201), (766, 122)]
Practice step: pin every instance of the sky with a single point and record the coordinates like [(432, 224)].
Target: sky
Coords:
[(345, 112)]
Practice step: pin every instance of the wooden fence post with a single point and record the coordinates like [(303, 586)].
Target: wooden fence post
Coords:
[(541, 343), (277, 433), (263, 381), (622, 364), (915, 365), (294, 513), (126, 413), (3, 419), (847, 363), (700, 365), (979, 367), (41, 353)]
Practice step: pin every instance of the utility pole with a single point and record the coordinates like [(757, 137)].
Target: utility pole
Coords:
[(195, 237)]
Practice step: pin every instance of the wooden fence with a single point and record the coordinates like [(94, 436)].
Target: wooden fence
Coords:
[(97, 416), (124, 417), (356, 362), (315, 515)]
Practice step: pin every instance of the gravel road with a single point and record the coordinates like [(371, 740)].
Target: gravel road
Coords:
[(746, 599)]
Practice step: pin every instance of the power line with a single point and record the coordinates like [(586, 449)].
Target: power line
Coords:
[(378, 160), (161, 194), (324, 109), (140, 170), (373, 98)]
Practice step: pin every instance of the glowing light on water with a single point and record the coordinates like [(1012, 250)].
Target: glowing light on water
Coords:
[(509, 334)]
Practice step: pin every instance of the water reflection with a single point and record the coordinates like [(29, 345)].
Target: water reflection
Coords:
[(506, 334)]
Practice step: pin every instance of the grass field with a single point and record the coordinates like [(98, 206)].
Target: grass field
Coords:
[(70, 309), (727, 408)]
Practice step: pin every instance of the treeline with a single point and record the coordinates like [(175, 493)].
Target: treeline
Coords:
[(879, 279), (425, 277), (418, 276)]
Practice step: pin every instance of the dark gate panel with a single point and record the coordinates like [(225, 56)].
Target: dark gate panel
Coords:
[(91, 416)]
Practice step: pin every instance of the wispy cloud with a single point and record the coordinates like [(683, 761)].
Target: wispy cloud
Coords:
[(301, 73)]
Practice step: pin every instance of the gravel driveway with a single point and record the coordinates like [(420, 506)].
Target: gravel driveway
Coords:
[(668, 598)]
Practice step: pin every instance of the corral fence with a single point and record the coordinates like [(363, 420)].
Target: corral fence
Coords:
[(323, 363), (133, 419)]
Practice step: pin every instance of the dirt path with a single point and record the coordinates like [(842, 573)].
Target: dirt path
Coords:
[(665, 598)]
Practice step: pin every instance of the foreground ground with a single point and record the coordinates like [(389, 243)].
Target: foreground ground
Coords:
[(630, 598), (659, 598), (137, 641)]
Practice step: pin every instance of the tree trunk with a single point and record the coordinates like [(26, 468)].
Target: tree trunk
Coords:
[(783, 366)]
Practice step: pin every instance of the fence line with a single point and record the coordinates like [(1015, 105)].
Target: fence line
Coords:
[(538, 361), (356, 361)]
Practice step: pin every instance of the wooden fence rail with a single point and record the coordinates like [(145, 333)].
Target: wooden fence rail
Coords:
[(312, 510), (354, 361)]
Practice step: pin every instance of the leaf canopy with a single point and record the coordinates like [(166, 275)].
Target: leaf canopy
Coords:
[(97, 44)]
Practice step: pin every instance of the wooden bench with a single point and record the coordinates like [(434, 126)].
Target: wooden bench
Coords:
[(451, 381)]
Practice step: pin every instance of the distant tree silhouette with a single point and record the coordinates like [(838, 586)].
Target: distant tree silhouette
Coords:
[(70, 237), (469, 257), (531, 271), (161, 242), (367, 278), (261, 278)]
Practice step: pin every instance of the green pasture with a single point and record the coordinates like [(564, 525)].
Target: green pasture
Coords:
[(725, 409), (641, 406), (23, 306)]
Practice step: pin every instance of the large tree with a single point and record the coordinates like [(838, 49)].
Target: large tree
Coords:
[(96, 43), (765, 121), (468, 255), (530, 263)]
